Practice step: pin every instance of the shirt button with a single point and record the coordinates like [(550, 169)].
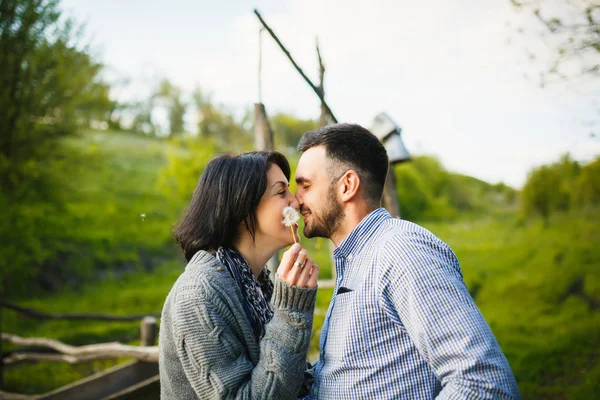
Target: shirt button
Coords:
[(350, 257)]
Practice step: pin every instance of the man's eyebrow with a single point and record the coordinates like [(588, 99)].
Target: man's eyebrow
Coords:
[(301, 180)]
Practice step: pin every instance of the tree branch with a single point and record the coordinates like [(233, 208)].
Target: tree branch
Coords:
[(289, 56)]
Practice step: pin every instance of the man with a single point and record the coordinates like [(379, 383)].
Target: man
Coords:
[(401, 323)]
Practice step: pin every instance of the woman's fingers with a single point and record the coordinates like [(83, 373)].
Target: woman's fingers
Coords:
[(314, 277), (302, 280), (287, 260), (297, 268)]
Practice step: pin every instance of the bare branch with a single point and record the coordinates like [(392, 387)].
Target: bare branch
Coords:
[(321, 67), (323, 116), (289, 56), (572, 32)]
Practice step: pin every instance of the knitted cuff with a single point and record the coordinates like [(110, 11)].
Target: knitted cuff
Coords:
[(293, 297)]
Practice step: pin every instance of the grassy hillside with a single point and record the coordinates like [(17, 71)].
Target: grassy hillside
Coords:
[(103, 214), (537, 284)]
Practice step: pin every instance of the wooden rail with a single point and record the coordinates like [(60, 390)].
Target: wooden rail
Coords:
[(78, 354), (74, 316), (136, 380)]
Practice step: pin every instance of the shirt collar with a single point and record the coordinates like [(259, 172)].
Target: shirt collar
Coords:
[(361, 234)]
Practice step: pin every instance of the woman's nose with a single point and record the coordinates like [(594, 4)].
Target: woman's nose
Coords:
[(294, 202)]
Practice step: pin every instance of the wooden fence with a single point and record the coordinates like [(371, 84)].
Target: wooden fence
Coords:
[(137, 379)]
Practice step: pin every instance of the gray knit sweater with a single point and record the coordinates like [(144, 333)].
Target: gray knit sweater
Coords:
[(207, 348)]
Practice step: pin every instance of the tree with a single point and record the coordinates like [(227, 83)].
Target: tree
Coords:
[(172, 97), (588, 185), (289, 129), (49, 83), (217, 122), (574, 28), (551, 188), (207, 113)]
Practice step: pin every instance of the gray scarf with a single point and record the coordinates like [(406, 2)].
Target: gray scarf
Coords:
[(256, 292)]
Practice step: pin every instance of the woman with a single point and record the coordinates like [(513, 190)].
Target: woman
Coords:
[(228, 331)]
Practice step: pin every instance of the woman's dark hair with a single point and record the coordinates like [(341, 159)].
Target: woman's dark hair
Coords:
[(228, 193)]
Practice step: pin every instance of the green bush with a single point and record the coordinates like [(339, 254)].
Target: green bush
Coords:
[(427, 191), (561, 187), (179, 177), (587, 186)]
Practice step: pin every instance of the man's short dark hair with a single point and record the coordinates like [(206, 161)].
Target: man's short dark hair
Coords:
[(350, 146), (228, 193)]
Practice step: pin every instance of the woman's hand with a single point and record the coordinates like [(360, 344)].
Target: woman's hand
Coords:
[(297, 269)]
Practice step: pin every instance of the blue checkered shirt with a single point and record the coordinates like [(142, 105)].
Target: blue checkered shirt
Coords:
[(401, 323)]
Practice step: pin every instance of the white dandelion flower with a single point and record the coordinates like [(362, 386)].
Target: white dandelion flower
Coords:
[(290, 218)]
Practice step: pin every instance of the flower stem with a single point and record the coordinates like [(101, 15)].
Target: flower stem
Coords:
[(293, 234)]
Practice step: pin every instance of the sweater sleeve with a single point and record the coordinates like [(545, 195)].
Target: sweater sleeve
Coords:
[(216, 362)]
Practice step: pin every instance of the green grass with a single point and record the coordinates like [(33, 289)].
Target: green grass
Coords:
[(537, 284), (548, 329)]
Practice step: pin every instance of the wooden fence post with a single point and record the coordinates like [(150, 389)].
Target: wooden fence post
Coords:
[(390, 196), (263, 135), (148, 331)]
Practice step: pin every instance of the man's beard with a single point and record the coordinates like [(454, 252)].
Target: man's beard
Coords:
[(327, 222)]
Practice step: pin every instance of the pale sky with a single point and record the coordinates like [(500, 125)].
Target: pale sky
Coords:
[(444, 71)]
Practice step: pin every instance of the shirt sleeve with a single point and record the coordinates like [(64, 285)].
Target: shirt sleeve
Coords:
[(422, 289), (215, 361)]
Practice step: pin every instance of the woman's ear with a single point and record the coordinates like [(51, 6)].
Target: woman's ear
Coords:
[(349, 185)]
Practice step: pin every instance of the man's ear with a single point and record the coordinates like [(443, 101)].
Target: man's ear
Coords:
[(349, 185)]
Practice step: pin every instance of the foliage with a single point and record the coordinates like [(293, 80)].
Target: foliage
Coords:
[(575, 28), (561, 186), (587, 185), (171, 95), (218, 123), (101, 213), (288, 129), (428, 192), (50, 84), (179, 177)]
